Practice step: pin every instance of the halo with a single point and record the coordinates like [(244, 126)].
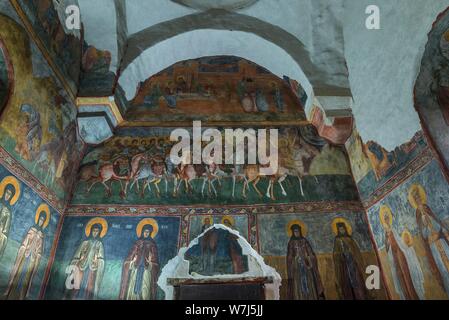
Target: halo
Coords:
[(43, 207), (422, 193), (446, 35), (145, 222), (404, 233), (93, 221), (211, 219), (10, 180), (345, 222), (230, 218), (385, 209), (298, 222)]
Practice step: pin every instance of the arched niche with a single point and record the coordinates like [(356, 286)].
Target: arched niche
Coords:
[(432, 89), (192, 266), (6, 77)]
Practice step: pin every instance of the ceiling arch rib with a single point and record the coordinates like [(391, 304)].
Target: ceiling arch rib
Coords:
[(323, 82)]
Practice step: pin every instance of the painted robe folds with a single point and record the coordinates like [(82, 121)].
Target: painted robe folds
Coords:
[(304, 281), (140, 272), (88, 262), (26, 265), (435, 236), (348, 263), (5, 225), (401, 273)]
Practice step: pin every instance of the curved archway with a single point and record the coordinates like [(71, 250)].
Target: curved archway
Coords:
[(6, 77), (336, 83), (211, 43), (432, 89)]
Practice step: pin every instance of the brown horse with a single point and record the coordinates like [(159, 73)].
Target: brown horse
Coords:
[(109, 172), (253, 176)]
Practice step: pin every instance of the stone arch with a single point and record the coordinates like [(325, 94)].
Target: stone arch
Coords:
[(431, 92), (217, 19), (179, 268)]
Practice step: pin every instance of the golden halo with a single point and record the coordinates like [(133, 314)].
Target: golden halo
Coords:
[(345, 222), (145, 222), (385, 209), (93, 221), (10, 180), (211, 219), (407, 233), (299, 223), (231, 220), (422, 193), (46, 209)]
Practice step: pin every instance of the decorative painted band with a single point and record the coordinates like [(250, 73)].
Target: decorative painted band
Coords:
[(126, 210), (419, 162)]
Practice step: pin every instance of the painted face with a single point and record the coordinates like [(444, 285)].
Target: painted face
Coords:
[(387, 219), (296, 232), (95, 232), (417, 197), (8, 195), (41, 220), (207, 222), (341, 230), (146, 234)]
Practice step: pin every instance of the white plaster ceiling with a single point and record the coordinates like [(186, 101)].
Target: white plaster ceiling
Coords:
[(322, 43)]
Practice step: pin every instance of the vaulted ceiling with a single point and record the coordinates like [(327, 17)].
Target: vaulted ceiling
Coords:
[(323, 44)]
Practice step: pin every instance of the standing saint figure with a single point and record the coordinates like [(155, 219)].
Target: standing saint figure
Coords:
[(402, 279), (28, 257), (304, 281), (209, 244), (413, 263), (9, 193), (234, 249), (434, 234), (348, 263), (141, 267), (88, 262)]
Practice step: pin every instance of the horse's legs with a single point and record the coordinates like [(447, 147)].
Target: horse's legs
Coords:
[(300, 185), (268, 189), (202, 188), (213, 188), (284, 193), (316, 179), (255, 187), (233, 185)]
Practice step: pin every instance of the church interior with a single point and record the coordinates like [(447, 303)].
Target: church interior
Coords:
[(92, 207)]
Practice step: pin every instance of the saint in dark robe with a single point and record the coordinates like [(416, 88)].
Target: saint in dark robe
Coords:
[(88, 262), (209, 244), (304, 281), (399, 265), (348, 263), (141, 269), (27, 261), (234, 250)]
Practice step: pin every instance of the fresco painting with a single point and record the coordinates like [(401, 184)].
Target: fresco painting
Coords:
[(112, 257), (134, 167), (28, 226), (215, 89), (411, 229), (432, 86), (373, 166), (218, 252), (199, 223), (313, 252), (38, 127), (48, 20)]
